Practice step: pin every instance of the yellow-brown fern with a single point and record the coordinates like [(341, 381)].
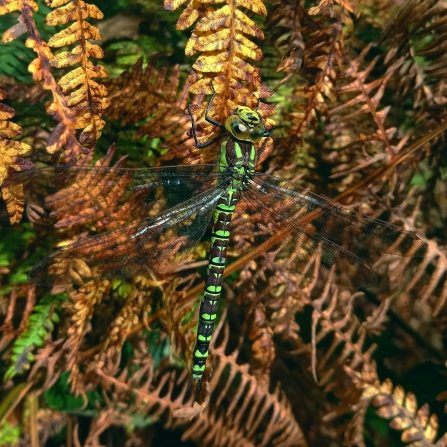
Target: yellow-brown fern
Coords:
[(63, 135), (221, 36), (86, 96), (417, 426), (10, 160)]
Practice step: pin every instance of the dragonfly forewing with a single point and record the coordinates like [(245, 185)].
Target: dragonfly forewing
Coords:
[(107, 198)]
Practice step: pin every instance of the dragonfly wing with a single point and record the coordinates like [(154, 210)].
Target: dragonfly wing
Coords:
[(317, 215), (154, 244), (107, 198), (285, 246)]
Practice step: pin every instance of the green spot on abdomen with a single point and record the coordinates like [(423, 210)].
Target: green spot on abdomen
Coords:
[(203, 338), (222, 233), (200, 355)]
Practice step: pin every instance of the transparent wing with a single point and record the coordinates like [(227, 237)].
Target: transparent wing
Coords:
[(149, 245), (284, 246), (157, 217), (289, 203), (107, 198)]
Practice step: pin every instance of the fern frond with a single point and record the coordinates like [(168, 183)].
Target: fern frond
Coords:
[(327, 7), (140, 93), (416, 58), (79, 203), (366, 100), (64, 133), (285, 17), (85, 96), (428, 280), (84, 302), (8, 330), (249, 403), (11, 160), (419, 428), (333, 313), (154, 397), (8, 6), (323, 51), (263, 348), (128, 317), (150, 94), (39, 326), (221, 34)]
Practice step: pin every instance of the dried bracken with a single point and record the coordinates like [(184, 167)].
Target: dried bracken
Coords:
[(322, 53), (85, 96), (360, 109), (150, 95), (10, 160), (418, 427), (63, 136), (83, 304), (221, 35)]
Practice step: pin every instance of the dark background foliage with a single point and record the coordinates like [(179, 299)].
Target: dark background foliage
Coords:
[(360, 108)]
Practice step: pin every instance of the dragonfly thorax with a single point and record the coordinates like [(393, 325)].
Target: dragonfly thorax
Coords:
[(238, 160)]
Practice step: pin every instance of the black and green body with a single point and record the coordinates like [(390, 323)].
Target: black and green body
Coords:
[(154, 219), (240, 158), (244, 128)]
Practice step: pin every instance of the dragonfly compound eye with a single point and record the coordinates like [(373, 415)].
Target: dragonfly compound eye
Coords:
[(237, 127), (256, 134)]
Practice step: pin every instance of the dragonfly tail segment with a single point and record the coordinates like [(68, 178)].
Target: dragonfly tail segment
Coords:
[(213, 284)]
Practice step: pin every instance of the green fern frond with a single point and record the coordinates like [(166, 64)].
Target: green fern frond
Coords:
[(40, 324)]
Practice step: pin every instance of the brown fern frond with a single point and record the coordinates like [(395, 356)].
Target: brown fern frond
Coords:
[(419, 428), (8, 6), (140, 92), (89, 197), (84, 302), (177, 306), (428, 280), (416, 58), (336, 319), (221, 35), (64, 133), (156, 394), (7, 329), (327, 7), (378, 143), (263, 348), (285, 17), (11, 160), (110, 355), (48, 358), (151, 92), (85, 96), (249, 403), (323, 52)]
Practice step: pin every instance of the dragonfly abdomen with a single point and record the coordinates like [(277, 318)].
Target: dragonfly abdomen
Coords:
[(213, 284)]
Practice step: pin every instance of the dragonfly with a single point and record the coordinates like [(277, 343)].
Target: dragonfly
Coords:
[(156, 217)]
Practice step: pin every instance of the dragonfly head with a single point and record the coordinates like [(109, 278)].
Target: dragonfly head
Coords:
[(245, 124)]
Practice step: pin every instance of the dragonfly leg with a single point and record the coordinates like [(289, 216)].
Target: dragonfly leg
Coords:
[(193, 129), (207, 117), (267, 133)]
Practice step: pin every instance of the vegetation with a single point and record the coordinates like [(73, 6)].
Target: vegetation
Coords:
[(357, 92)]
